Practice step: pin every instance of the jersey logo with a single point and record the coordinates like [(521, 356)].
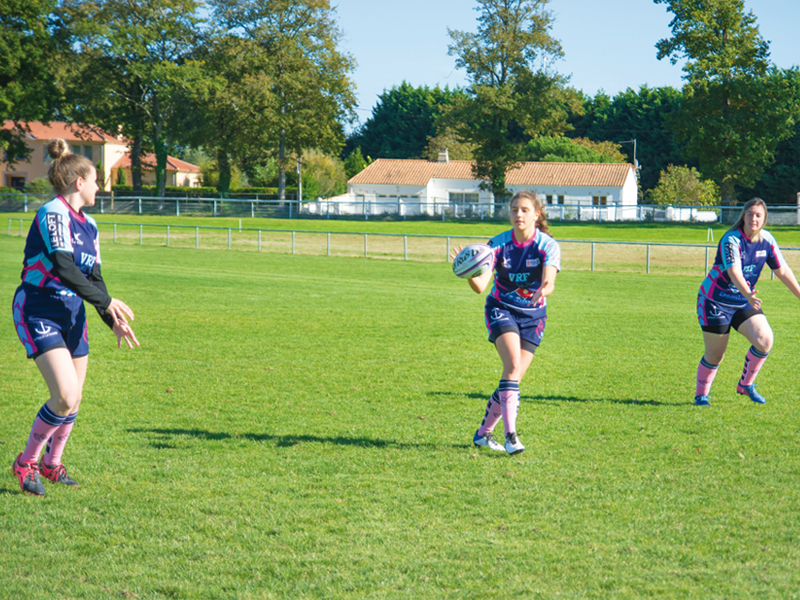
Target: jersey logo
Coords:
[(76, 238), (497, 315), (53, 224), (532, 262), (518, 277), (761, 253), (506, 262)]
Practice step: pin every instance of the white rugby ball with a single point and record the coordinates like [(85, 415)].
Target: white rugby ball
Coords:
[(474, 260)]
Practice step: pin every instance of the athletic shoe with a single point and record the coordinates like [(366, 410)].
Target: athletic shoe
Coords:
[(750, 392), (513, 445), (488, 441), (56, 473), (701, 401), (28, 475)]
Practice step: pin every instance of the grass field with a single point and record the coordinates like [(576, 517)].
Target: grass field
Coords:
[(300, 427)]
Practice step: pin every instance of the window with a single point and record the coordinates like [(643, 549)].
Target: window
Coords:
[(16, 182), (561, 199), (599, 200), (464, 197), (87, 152), (548, 198)]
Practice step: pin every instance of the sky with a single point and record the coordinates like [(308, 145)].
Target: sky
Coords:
[(608, 44)]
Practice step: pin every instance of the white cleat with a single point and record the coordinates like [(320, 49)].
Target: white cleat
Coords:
[(513, 445), (487, 441)]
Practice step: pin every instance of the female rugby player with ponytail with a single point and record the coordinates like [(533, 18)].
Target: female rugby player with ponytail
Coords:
[(61, 270), (526, 261), (727, 298)]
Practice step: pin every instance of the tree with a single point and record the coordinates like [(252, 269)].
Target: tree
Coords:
[(737, 107), (323, 175), (684, 185), (355, 163), (308, 75), (447, 139), (134, 70), (562, 149), (29, 49), (513, 95), (402, 121), (643, 115)]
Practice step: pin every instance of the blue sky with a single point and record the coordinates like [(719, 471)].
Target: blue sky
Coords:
[(608, 44)]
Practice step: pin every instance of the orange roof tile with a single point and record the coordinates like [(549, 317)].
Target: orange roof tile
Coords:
[(149, 164), (67, 131), (419, 172)]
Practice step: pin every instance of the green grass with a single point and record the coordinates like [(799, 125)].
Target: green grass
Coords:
[(300, 426), (674, 233)]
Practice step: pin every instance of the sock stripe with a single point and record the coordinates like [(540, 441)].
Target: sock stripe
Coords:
[(758, 353), (508, 385), (70, 418), (707, 364), (49, 417)]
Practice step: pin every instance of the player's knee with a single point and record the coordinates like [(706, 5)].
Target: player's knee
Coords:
[(764, 341), (68, 399)]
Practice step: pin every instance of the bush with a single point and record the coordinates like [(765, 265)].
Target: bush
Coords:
[(683, 185), (40, 185), (9, 190)]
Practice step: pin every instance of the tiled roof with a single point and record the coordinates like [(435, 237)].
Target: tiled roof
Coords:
[(66, 131), (420, 172), (149, 164)]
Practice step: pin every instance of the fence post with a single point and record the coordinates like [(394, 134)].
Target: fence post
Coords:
[(115, 233), (365, 245), (102, 206), (648, 258), (215, 208), (167, 235), (447, 251), (405, 247), (26, 204), (329, 243), (20, 228), (592, 256), (196, 238), (706, 260), (259, 240), (293, 242), (252, 210), (229, 238), (140, 206), (141, 227), (177, 207), (9, 227)]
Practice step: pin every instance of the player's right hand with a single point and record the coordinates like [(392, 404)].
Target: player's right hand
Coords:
[(119, 311)]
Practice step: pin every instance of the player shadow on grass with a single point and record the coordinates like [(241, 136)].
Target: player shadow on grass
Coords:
[(281, 441), (549, 398)]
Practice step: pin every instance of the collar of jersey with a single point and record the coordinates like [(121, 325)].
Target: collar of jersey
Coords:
[(81, 217), (525, 243)]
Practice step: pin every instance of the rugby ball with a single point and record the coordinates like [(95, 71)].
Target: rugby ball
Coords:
[(474, 260)]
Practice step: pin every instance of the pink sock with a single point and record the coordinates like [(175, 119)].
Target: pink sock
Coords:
[(508, 391), (55, 446), (705, 377), (752, 365), (45, 425), (492, 416)]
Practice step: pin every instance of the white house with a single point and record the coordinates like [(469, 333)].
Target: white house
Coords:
[(590, 190)]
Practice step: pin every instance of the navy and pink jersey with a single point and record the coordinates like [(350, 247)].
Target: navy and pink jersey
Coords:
[(57, 227), (519, 268), (750, 256)]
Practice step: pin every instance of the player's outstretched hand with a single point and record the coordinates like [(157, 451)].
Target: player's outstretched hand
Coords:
[(454, 252), (119, 311), (124, 331), (754, 301)]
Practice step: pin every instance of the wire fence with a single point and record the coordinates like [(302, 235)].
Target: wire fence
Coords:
[(641, 257), (389, 208)]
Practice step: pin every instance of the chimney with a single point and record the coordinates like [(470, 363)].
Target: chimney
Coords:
[(444, 157)]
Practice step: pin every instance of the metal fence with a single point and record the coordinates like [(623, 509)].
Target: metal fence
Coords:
[(401, 209), (642, 257)]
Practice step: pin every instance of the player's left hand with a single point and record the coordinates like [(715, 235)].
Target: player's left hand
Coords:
[(124, 331), (454, 252)]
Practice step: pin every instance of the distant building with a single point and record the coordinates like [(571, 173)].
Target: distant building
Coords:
[(422, 185), (107, 152)]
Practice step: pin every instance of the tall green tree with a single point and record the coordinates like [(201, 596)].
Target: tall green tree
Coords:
[(29, 55), (402, 121), (134, 69), (643, 115), (737, 107), (308, 74), (561, 149), (513, 94)]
